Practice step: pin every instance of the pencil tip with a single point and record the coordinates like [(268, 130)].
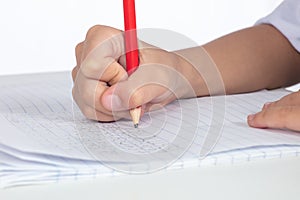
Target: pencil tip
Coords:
[(136, 125)]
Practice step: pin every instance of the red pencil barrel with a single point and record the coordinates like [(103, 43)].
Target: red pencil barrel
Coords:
[(131, 44)]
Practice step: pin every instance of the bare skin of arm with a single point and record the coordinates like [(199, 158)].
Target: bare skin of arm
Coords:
[(251, 59)]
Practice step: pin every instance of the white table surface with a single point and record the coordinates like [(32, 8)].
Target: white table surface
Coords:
[(267, 179)]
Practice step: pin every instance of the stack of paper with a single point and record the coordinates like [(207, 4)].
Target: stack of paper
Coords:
[(45, 138)]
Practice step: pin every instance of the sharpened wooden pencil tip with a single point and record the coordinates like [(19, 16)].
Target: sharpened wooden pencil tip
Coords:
[(135, 116)]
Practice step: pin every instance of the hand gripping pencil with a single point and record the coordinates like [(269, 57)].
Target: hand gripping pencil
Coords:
[(131, 49)]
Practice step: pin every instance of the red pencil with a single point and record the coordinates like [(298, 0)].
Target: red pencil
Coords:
[(131, 45), (131, 49)]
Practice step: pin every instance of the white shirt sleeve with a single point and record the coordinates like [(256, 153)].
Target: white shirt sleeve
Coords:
[(286, 18)]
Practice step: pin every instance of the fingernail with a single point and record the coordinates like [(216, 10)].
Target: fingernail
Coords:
[(251, 117), (113, 102)]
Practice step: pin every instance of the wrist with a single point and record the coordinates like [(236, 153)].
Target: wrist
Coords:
[(200, 71), (188, 71)]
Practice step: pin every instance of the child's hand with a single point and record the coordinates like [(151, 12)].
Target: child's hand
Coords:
[(102, 89), (283, 114)]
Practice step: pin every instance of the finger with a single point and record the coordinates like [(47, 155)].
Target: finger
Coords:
[(148, 83), (91, 113), (292, 99), (105, 69), (100, 34), (90, 91), (113, 74), (78, 53), (124, 100), (98, 57), (91, 95), (277, 117), (74, 73), (116, 72)]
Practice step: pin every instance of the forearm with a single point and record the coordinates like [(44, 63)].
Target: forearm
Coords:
[(250, 59)]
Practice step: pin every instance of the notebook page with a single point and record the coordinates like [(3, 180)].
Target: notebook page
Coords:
[(44, 136), (40, 117)]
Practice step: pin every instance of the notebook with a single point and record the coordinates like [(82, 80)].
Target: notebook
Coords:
[(45, 138)]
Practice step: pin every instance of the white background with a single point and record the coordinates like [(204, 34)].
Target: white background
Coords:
[(40, 35)]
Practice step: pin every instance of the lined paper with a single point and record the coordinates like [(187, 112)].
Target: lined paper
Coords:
[(45, 138)]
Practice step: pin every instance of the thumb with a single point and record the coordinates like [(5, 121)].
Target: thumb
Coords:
[(125, 95), (139, 89)]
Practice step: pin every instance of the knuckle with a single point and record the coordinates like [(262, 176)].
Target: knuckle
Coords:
[(74, 74), (93, 30), (104, 30), (78, 48), (89, 69)]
